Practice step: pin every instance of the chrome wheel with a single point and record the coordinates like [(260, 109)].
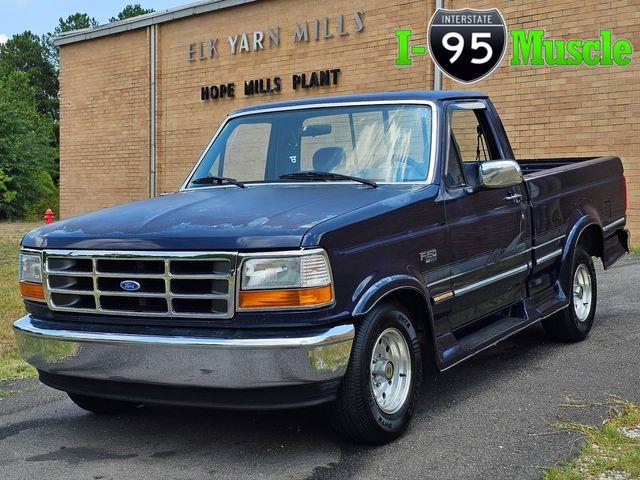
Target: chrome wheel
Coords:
[(390, 371), (582, 292)]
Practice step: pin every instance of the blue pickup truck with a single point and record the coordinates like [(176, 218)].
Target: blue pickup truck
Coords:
[(319, 252)]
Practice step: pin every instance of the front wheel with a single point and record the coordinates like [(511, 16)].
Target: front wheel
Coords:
[(574, 322), (379, 392)]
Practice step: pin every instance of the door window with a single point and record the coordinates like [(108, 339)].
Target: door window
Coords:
[(470, 141)]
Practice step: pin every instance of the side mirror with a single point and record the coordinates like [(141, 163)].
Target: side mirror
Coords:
[(500, 173)]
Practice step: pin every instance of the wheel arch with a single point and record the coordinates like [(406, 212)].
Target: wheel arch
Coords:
[(586, 233), (409, 293)]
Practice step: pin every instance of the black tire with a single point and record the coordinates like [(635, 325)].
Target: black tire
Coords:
[(566, 326), (355, 414), (101, 406)]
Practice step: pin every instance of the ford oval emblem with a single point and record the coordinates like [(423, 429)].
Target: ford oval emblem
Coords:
[(130, 285)]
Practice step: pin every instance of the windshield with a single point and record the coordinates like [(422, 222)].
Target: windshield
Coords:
[(384, 143)]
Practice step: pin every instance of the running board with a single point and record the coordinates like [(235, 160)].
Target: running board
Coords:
[(492, 333), (454, 350)]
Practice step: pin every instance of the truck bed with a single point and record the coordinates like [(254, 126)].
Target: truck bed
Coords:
[(561, 187)]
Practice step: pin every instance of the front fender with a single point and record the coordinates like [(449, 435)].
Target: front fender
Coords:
[(382, 287)]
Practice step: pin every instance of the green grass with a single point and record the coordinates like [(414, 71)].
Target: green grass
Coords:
[(11, 307), (12, 366), (635, 250), (608, 451)]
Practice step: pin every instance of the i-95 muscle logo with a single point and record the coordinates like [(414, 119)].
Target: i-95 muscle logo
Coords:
[(468, 45)]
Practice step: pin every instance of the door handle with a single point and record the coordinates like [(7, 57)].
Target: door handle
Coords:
[(514, 197)]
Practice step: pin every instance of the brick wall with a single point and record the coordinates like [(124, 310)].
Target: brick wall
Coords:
[(570, 111), (104, 122)]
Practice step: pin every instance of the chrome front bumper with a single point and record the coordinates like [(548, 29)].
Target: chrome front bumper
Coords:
[(228, 361)]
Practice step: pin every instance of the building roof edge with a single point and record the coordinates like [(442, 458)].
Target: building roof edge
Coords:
[(142, 21)]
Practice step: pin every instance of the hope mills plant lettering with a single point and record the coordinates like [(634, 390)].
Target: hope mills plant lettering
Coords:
[(315, 79)]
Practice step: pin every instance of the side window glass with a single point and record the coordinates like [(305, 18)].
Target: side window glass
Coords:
[(471, 135), (455, 177)]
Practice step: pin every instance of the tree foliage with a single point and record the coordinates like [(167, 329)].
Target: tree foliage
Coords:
[(28, 53), (29, 110), (131, 11), (28, 152), (76, 21)]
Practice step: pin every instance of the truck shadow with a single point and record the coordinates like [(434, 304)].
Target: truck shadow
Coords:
[(276, 444), (510, 356), (310, 424), (457, 408)]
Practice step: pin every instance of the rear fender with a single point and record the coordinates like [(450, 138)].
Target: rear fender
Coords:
[(588, 231)]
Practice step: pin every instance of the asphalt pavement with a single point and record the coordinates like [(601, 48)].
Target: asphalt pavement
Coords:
[(485, 419)]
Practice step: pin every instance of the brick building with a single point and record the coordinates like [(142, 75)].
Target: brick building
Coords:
[(135, 116)]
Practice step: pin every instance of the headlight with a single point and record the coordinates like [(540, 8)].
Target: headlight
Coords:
[(30, 275), (30, 268), (296, 281)]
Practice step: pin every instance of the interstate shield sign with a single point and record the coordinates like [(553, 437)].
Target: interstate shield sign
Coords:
[(467, 44)]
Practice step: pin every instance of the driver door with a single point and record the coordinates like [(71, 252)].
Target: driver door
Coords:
[(489, 229)]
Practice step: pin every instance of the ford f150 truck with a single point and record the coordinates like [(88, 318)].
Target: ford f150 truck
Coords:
[(320, 251)]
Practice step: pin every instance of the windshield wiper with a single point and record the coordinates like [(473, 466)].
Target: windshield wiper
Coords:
[(215, 179), (326, 177)]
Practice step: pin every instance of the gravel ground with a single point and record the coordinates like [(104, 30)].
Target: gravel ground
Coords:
[(487, 418)]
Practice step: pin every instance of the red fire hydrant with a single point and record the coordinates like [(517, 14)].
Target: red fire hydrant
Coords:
[(49, 217)]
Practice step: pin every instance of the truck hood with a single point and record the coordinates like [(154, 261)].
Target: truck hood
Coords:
[(219, 218)]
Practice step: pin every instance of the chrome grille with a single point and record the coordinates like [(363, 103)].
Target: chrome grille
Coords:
[(171, 284)]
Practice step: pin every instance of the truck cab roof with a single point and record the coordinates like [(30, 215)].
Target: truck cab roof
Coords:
[(406, 95)]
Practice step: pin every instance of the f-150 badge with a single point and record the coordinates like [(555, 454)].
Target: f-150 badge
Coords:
[(429, 256)]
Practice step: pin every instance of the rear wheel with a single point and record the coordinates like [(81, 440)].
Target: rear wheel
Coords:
[(574, 322), (101, 406), (379, 392)]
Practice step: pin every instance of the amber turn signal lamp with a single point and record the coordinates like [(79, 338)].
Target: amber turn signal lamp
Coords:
[(286, 298), (33, 291)]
